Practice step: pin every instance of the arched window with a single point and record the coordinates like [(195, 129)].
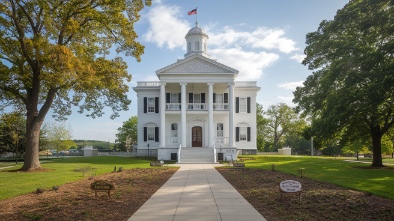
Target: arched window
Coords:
[(197, 46), (189, 46)]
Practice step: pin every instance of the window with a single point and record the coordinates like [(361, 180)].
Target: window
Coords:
[(242, 134), (219, 98), (219, 130), (189, 46), (196, 98), (151, 105), (242, 105), (151, 133), (174, 98), (197, 46), (174, 130)]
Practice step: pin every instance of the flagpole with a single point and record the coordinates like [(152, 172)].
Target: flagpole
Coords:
[(196, 16)]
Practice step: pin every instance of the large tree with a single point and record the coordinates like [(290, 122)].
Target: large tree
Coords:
[(127, 134), (53, 55), (352, 87)]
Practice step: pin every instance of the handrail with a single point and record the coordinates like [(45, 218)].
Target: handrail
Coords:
[(179, 153), (214, 154)]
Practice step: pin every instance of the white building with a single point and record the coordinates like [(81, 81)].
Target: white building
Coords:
[(196, 109)]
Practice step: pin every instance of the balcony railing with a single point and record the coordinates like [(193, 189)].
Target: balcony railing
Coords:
[(171, 141), (196, 106), (148, 83), (221, 141)]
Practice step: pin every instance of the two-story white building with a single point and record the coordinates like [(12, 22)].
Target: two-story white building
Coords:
[(197, 111)]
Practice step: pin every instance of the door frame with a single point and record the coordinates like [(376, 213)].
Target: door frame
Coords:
[(201, 131), (193, 123)]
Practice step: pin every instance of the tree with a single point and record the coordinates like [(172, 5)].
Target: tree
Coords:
[(280, 120), (12, 131), (58, 137), (352, 85), (128, 134), (53, 55), (261, 128)]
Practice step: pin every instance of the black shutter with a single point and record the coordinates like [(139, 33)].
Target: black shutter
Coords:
[(248, 103), (145, 134), (168, 99), (157, 105), (225, 98), (237, 105), (145, 104), (156, 134), (179, 98), (190, 97), (237, 134), (214, 98), (248, 134), (203, 98)]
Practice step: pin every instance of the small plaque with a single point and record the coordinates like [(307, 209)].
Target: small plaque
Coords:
[(290, 186)]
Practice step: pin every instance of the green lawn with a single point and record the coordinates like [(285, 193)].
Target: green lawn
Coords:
[(357, 176), (61, 171)]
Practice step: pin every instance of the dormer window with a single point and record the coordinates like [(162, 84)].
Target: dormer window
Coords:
[(197, 46)]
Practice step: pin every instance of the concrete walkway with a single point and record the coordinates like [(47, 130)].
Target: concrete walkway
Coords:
[(197, 192)]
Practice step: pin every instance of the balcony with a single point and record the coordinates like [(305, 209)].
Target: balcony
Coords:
[(196, 106)]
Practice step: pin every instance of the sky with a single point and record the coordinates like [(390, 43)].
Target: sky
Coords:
[(263, 39)]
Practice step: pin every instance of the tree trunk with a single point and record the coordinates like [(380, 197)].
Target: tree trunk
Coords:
[(377, 150), (32, 160)]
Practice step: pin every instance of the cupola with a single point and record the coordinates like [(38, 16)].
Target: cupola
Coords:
[(196, 40)]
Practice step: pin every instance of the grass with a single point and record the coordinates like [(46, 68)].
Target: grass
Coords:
[(357, 176), (60, 171)]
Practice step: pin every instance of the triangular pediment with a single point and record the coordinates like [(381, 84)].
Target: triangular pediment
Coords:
[(197, 64)]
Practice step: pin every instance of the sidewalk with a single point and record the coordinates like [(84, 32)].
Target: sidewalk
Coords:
[(197, 192)]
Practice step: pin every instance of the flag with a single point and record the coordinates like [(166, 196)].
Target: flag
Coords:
[(192, 12)]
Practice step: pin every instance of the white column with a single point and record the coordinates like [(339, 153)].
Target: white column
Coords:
[(231, 114), (162, 110), (210, 115), (183, 114)]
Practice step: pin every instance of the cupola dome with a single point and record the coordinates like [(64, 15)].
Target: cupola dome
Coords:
[(196, 40)]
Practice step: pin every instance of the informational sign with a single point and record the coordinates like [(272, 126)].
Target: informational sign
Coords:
[(290, 186)]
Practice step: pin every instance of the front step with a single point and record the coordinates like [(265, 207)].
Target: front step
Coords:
[(197, 155)]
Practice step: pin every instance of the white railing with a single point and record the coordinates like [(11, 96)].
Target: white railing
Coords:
[(245, 84), (148, 83), (197, 106), (215, 160), (220, 106), (221, 141), (170, 141), (173, 106), (179, 153)]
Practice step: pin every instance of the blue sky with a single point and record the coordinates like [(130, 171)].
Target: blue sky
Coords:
[(263, 39)]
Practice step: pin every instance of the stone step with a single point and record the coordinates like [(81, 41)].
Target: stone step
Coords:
[(197, 155)]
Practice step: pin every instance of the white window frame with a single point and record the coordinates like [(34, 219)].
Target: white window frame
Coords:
[(150, 133), (243, 134), (174, 98), (174, 130), (243, 105), (219, 130), (151, 105)]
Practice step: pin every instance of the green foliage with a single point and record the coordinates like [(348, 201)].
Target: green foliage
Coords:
[(350, 94), (50, 48), (61, 171), (12, 131), (355, 176), (127, 134)]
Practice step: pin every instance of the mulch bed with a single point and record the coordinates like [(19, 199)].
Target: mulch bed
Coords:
[(75, 201), (320, 201)]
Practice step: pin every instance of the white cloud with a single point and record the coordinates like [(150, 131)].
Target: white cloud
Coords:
[(261, 38), (291, 85), (166, 28), (249, 64), (298, 57), (287, 100)]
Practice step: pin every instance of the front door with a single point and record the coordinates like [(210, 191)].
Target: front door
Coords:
[(197, 136)]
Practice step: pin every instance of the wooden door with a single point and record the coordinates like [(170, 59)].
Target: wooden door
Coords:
[(197, 136)]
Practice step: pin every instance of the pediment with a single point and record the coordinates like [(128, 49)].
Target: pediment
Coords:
[(196, 64)]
